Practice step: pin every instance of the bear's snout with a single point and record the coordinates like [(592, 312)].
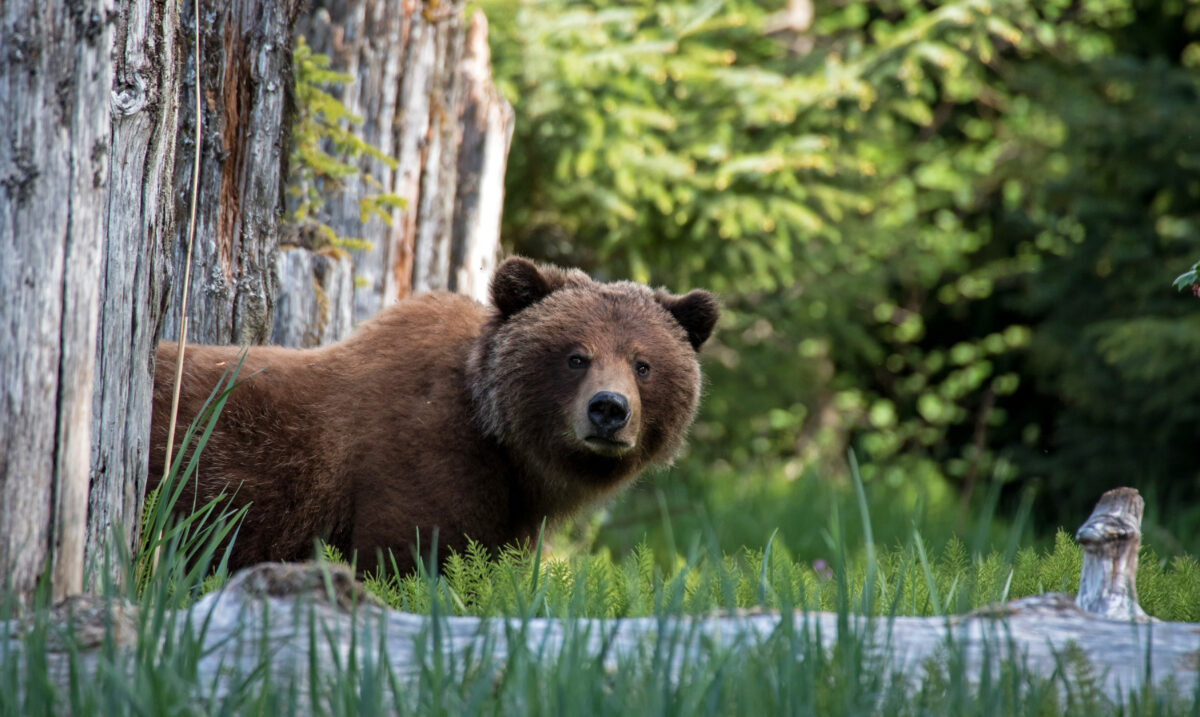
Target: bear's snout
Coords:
[(606, 413), (609, 412)]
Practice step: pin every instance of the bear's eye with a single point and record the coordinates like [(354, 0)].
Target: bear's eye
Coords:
[(642, 368), (577, 361)]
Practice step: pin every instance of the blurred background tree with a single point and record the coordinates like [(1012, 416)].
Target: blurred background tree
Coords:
[(944, 234)]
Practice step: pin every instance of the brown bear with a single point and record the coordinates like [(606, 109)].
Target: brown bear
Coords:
[(441, 413)]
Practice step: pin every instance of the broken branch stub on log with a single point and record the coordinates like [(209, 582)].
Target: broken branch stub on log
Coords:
[(281, 603), (1110, 538)]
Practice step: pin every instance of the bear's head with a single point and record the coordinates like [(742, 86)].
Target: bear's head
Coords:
[(587, 383)]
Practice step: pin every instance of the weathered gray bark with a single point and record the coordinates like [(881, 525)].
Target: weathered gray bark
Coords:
[(486, 121), (55, 82), (434, 199), (366, 39), (140, 227), (315, 305), (423, 88), (245, 73)]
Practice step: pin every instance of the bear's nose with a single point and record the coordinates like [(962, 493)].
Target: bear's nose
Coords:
[(608, 412)]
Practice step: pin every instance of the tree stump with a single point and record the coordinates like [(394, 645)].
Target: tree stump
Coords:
[(315, 304), (486, 124)]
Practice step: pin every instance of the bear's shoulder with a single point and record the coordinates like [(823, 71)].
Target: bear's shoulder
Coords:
[(440, 316)]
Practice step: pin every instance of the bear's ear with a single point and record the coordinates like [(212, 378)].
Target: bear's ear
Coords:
[(519, 283), (696, 311)]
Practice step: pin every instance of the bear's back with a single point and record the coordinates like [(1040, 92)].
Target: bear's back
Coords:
[(356, 442)]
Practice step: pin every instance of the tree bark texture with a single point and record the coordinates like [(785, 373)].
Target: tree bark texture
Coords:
[(486, 121), (422, 85), (140, 228), (77, 233), (315, 302), (55, 83), (245, 76)]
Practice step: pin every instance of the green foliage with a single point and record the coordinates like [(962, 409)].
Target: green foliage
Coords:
[(1169, 587), (325, 150), (1189, 279), (331, 554), (942, 231)]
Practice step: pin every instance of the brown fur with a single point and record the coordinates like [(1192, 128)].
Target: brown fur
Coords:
[(442, 413)]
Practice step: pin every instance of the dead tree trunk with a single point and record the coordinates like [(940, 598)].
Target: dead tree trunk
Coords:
[(486, 124), (365, 39), (422, 85), (245, 73), (140, 227), (55, 83)]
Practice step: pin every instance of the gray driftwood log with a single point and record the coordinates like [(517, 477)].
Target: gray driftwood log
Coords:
[(276, 601), (55, 81)]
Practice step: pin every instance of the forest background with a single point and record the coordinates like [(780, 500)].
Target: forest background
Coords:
[(944, 234)]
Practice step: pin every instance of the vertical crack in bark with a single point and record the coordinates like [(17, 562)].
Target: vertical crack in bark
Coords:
[(232, 98)]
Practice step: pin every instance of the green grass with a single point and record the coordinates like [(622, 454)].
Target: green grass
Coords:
[(787, 672), (905, 580), (908, 577)]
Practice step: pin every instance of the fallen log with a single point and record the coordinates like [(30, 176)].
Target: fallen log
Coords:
[(273, 609)]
